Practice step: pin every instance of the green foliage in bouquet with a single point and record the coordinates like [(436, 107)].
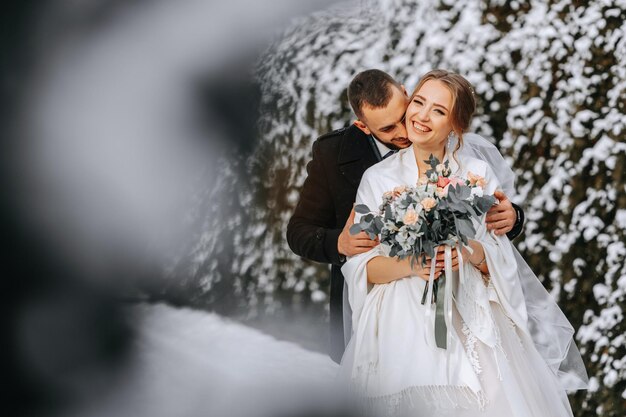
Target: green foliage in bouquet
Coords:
[(413, 220)]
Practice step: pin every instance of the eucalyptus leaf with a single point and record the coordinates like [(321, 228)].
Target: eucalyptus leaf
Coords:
[(378, 224), (355, 229), (484, 203), (368, 217), (465, 227), (463, 192), (472, 210), (429, 248), (453, 194), (388, 213), (458, 206), (433, 161), (362, 209)]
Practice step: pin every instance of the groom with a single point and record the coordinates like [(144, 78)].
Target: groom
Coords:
[(319, 227)]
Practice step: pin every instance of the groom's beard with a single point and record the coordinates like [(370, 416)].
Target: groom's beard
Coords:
[(396, 144)]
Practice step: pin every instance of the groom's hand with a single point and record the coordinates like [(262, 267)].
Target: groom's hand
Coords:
[(501, 217), (350, 245)]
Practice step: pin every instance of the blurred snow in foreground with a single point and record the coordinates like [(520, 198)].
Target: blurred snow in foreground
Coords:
[(194, 363)]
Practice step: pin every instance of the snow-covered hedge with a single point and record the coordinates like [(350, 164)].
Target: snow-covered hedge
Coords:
[(551, 76)]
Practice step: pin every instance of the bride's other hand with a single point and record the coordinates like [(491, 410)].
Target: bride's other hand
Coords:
[(350, 245), (424, 271), (477, 257), (501, 217), (441, 256), (441, 259)]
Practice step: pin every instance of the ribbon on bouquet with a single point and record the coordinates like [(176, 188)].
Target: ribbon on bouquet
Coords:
[(439, 321)]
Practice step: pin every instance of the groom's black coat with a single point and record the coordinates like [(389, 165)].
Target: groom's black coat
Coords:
[(339, 160)]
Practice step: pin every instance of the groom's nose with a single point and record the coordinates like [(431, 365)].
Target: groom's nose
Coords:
[(402, 131)]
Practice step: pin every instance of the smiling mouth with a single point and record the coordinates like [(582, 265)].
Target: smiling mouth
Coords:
[(421, 128)]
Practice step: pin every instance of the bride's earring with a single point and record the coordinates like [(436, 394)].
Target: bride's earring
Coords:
[(451, 138)]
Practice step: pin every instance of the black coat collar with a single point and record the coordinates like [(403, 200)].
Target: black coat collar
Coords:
[(355, 146), (355, 154)]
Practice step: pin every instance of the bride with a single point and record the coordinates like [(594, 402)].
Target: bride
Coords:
[(510, 349)]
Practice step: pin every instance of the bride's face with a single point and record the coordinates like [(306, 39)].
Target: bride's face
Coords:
[(428, 121)]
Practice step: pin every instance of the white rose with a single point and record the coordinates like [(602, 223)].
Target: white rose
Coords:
[(477, 192)]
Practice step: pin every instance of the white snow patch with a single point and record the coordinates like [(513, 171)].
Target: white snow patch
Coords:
[(193, 363)]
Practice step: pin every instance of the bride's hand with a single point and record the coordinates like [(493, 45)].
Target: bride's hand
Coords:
[(441, 256), (424, 272), (477, 257), (455, 260)]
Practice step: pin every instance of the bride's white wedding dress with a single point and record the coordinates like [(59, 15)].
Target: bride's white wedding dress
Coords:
[(496, 363)]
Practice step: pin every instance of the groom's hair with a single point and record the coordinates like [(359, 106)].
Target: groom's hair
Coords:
[(371, 88)]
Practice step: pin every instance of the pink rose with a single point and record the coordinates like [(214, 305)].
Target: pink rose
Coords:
[(442, 192), (457, 181), (443, 181), (428, 203), (410, 217)]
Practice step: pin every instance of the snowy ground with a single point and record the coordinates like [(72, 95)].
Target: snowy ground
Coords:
[(193, 363)]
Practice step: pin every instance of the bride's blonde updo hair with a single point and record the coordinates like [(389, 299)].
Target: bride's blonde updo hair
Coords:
[(463, 100)]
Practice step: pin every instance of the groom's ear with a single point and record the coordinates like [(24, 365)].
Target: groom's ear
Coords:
[(404, 91), (362, 126)]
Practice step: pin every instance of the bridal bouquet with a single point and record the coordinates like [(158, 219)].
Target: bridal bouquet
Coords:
[(413, 220)]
